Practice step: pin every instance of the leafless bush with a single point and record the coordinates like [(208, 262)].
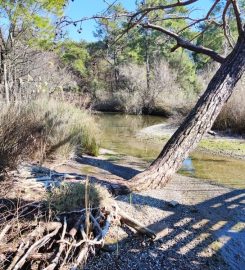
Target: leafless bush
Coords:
[(232, 116), (164, 91), (19, 131), (34, 73), (43, 75), (42, 129)]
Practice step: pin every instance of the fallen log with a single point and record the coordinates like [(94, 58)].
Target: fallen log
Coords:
[(139, 227)]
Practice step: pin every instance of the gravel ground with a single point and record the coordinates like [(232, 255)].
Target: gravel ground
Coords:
[(189, 236), (205, 230)]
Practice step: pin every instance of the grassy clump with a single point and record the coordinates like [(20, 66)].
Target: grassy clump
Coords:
[(223, 146), (89, 145), (44, 128), (231, 118), (68, 130), (74, 196), (19, 132)]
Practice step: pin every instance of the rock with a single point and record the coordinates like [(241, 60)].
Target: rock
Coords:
[(109, 248), (173, 203), (211, 132), (161, 240)]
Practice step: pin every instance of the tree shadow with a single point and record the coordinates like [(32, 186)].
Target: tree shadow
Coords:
[(118, 170), (198, 236)]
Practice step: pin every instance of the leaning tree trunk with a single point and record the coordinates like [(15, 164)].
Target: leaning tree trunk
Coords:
[(197, 123)]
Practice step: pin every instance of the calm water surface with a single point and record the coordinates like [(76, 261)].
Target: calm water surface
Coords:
[(118, 133)]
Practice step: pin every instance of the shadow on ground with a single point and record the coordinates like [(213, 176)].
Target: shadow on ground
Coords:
[(197, 233), (115, 169), (201, 235)]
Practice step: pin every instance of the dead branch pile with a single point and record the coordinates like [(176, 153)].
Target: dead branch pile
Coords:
[(31, 238)]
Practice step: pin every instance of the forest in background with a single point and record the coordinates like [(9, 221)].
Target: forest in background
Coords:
[(132, 72)]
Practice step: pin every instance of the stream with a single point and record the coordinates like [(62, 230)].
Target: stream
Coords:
[(119, 134)]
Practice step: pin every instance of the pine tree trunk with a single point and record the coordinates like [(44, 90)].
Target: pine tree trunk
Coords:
[(197, 123)]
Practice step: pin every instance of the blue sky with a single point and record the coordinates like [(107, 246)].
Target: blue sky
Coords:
[(86, 8)]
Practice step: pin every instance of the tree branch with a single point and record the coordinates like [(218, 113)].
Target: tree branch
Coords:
[(202, 19), (225, 26), (163, 7), (238, 17), (185, 43)]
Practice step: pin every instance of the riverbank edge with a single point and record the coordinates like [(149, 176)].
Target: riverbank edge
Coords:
[(217, 144)]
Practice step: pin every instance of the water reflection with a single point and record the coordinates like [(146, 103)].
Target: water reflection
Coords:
[(225, 171), (187, 166)]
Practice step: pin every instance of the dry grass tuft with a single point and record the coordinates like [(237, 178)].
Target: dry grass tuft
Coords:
[(19, 131), (74, 196), (44, 128), (232, 116)]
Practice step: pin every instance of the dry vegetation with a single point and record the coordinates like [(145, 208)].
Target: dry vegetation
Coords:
[(19, 132), (232, 116), (164, 95), (36, 235), (42, 129), (73, 196), (59, 231)]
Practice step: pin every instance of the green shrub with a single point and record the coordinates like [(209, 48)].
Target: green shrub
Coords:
[(89, 145)]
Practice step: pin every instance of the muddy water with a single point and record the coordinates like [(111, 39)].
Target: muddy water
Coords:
[(119, 134)]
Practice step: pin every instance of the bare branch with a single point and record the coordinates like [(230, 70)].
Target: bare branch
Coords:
[(238, 17), (225, 25), (163, 7), (202, 19), (130, 26), (66, 20), (109, 5), (186, 44)]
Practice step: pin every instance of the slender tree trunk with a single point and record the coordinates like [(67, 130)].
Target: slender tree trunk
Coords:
[(6, 85), (1, 69), (116, 75), (147, 63), (197, 123)]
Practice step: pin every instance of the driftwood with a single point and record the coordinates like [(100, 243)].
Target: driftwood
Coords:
[(139, 227), (36, 246), (82, 257), (57, 243), (66, 242), (4, 231), (55, 261)]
